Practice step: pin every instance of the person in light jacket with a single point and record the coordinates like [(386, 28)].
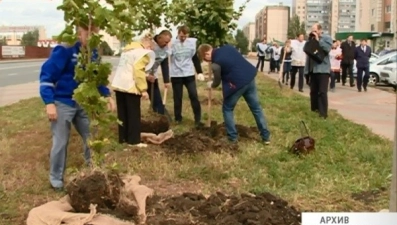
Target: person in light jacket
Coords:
[(184, 61), (298, 61), (334, 56), (261, 47), (130, 86), (286, 62), (162, 52), (319, 73)]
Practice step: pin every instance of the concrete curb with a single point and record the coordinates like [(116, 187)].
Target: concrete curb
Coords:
[(21, 60)]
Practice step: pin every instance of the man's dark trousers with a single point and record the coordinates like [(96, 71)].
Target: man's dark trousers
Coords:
[(318, 93), (362, 81), (347, 68), (261, 63), (157, 105), (294, 71), (177, 88)]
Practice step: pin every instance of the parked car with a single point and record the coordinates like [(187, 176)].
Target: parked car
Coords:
[(385, 52), (377, 65), (389, 74)]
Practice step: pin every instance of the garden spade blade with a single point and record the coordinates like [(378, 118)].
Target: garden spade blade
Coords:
[(166, 113)]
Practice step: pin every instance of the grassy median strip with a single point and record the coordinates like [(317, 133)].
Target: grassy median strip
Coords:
[(347, 172)]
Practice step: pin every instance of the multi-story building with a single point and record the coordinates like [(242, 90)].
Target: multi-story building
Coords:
[(299, 9), (334, 16), (272, 22), (249, 33), (319, 11), (259, 24), (13, 34), (363, 18)]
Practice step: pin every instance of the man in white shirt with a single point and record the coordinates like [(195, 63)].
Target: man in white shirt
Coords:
[(261, 47), (298, 61)]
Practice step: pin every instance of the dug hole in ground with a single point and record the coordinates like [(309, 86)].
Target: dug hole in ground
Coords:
[(103, 198)]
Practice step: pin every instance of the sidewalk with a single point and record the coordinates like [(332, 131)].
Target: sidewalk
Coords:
[(374, 109)]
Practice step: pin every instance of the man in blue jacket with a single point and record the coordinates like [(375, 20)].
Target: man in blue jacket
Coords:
[(57, 85), (362, 55), (238, 80)]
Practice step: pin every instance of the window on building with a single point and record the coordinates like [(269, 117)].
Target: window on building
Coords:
[(372, 11), (387, 25), (388, 9), (387, 44), (9, 37), (372, 27)]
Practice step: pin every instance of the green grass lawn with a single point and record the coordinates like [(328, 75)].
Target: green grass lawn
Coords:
[(348, 158)]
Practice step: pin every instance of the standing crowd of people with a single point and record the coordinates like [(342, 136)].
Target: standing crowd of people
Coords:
[(319, 61)]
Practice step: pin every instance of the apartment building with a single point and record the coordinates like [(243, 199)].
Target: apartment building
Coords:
[(363, 18), (299, 9), (13, 34), (272, 22), (249, 33), (334, 16), (112, 41)]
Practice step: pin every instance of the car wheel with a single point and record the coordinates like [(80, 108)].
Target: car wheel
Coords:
[(373, 79)]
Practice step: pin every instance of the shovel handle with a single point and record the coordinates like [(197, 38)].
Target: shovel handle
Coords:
[(165, 95), (209, 95)]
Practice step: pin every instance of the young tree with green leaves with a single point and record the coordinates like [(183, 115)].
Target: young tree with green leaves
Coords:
[(296, 27), (241, 42), (120, 18), (254, 42), (210, 21)]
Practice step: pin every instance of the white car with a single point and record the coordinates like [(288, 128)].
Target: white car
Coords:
[(389, 74), (376, 66)]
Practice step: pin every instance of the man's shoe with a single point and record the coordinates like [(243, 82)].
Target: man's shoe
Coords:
[(365, 89), (300, 90), (359, 90), (266, 142)]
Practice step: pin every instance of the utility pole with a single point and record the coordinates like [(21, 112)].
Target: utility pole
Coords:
[(393, 191)]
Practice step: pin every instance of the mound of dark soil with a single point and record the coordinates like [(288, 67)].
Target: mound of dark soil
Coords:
[(155, 123), (208, 139), (102, 189), (220, 209), (213, 101), (196, 142)]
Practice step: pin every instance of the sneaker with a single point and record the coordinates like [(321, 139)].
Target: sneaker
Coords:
[(266, 142)]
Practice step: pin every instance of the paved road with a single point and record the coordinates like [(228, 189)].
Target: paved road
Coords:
[(374, 109), (14, 72)]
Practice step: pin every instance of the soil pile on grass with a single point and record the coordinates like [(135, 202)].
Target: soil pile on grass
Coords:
[(95, 188), (220, 209), (213, 101), (208, 139)]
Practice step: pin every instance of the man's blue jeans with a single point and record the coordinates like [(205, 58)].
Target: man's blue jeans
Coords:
[(60, 128), (249, 93)]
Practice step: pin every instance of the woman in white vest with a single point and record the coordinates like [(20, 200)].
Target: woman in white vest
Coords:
[(129, 84), (298, 61)]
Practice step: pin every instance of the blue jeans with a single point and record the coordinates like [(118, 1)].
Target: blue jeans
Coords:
[(250, 95), (60, 128)]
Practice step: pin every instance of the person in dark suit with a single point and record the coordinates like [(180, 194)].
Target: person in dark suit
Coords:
[(362, 56), (348, 47)]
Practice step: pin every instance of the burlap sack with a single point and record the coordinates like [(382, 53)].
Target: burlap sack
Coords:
[(156, 139), (61, 212)]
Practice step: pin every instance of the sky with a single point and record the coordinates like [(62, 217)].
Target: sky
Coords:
[(44, 12)]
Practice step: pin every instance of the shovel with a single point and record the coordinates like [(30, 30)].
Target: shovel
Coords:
[(164, 99), (209, 122)]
